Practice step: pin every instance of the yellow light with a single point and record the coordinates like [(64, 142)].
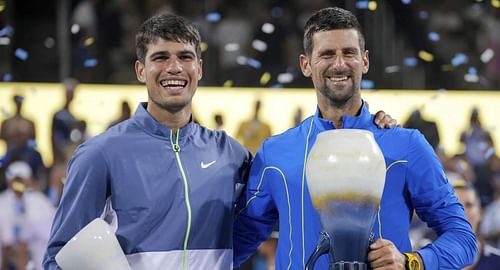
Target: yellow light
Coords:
[(203, 46), (495, 3), (2, 6), (228, 83), (426, 56), (264, 79), (89, 41), (372, 5)]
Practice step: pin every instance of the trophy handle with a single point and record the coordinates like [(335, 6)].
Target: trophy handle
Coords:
[(323, 247)]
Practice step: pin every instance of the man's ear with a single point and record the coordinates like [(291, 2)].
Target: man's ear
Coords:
[(139, 71), (304, 65), (366, 62), (200, 69)]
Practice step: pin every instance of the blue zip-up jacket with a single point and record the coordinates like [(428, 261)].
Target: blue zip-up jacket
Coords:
[(415, 180), (170, 196)]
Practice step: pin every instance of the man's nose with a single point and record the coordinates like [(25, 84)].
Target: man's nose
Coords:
[(173, 65), (339, 61)]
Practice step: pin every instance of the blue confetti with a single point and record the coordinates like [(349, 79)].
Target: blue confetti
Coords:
[(276, 12), (6, 31), (213, 17), (91, 62), (433, 36), (254, 63), (367, 84), (472, 70), (459, 59), (21, 54), (406, 2), (423, 15), (277, 85), (362, 5), (7, 77), (410, 61)]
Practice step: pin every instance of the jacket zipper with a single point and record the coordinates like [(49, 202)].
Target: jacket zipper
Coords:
[(176, 148)]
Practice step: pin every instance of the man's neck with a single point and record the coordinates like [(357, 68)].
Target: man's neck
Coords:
[(173, 120), (335, 113)]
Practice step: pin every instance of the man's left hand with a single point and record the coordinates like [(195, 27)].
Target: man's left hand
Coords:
[(384, 255)]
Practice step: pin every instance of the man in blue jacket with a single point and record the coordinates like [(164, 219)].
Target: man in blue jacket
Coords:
[(335, 58), (166, 184)]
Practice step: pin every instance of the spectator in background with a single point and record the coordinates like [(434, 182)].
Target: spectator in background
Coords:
[(479, 150), (64, 122), (19, 134), (488, 257), (17, 130), (428, 128), (490, 225), (251, 133), (25, 219), (124, 114)]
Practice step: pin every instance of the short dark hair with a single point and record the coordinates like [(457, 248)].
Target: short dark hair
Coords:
[(327, 19), (169, 27)]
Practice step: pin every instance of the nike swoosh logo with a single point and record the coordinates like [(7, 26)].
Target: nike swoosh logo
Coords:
[(204, 166)]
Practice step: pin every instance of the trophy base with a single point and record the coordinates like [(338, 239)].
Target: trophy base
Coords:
[(349, 266)]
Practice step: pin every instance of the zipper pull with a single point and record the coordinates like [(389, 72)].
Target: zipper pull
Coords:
[(175, 146)]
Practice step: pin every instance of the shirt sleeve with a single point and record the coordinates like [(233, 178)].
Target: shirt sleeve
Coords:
[(436, 204), (256, 213), (84, 198)]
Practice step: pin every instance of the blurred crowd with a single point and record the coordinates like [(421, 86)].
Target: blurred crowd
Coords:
[(30, 190), (448, 44)]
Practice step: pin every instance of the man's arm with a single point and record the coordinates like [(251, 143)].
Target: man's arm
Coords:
[(256, 214), (83, 199), (436, 204)]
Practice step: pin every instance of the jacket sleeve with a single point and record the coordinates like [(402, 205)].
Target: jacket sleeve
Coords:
[(84, 198), (256, 213), (436, 204)]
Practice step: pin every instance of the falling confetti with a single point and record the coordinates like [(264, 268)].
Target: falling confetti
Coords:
[(265, 78), (49, 43), (89, 41), (423, 15), (276, 12), (2, 6), (362, 5), (487, 55), (495, 3), (7, 77), (4, 41), (259, 45), (471, 78), (426, 56), (242, 60), (392, 69), (6, 31), (268, 28), (254, 63), (433, 36), (91, 62), (232, 47), (75, 28), (406, 2), (203, 46), (410, 61), (285, 77), (459, 59), (372, 5), (367, 84), (21, 54), (213, 17)]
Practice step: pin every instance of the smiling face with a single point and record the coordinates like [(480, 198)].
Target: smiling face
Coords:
[(336, 65), (171, 71)]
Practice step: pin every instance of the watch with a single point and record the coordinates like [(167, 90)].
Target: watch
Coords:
[(412, 262)]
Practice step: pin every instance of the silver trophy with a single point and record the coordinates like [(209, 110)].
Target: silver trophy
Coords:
[(345, 177)]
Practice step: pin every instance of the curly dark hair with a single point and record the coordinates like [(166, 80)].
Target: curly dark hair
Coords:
[(169, 27), (327, 19)]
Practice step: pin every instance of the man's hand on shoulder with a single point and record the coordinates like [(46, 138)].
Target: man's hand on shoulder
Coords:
[(383, 120)]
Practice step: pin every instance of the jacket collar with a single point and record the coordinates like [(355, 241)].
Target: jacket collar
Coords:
[(363, 120), (146, 122)]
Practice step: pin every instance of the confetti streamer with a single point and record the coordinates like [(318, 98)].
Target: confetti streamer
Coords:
[(367, 84), (21, 54), (459, 59), (285, 77), (487, 55), (213, 17), (259, 45), (232, 47), (268, 28), (265, 78), (203, 46), (392, 69), (433, 36), (426, 56), (228, 83), (90, 62), (410, 61)]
